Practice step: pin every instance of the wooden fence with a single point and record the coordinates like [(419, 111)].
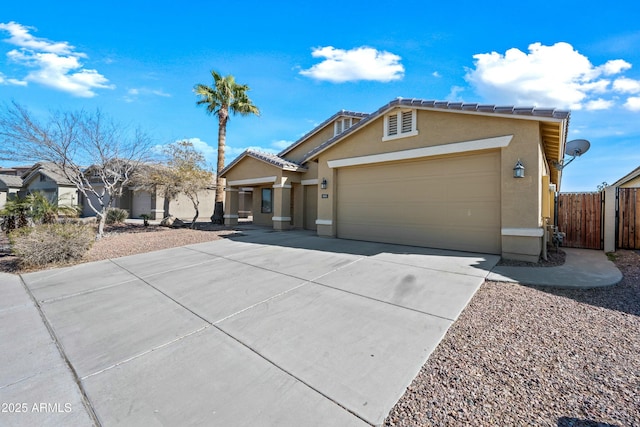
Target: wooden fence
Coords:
[(580, 218), (628, 218)]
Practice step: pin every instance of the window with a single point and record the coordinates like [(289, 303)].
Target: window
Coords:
[(341, 125), (400, 124), (43, 178), (267, 200)]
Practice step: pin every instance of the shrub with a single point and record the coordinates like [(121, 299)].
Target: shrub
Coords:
[(15, 213), (116, 215), (45, 211), (50, 243)]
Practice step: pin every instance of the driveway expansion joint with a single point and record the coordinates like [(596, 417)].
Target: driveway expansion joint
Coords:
[(86, 402), (129, 359)]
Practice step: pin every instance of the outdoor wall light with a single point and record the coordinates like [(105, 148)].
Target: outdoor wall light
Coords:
[(323, 183), (518, 170)]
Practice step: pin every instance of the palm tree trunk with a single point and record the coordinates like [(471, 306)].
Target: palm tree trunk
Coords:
[(218, 211)]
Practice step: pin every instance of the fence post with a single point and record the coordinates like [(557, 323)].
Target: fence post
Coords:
[(609, 219)]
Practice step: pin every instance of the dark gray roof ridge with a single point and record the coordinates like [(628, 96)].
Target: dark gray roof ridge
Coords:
[(445, 105), (51, 170), (320, 126), (270, 158), (274, 159)]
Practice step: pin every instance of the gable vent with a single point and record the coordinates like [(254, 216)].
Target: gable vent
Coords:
[(392, 128), (407, 121)]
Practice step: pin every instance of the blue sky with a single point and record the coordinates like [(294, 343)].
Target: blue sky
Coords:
[(139, 60)]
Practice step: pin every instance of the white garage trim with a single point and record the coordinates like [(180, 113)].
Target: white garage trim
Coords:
[(324, 222), (309, 181), (281, 218), (437, 150), (523, 232), (251, 181)]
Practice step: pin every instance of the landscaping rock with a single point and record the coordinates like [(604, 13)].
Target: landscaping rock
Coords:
[(172, 221)]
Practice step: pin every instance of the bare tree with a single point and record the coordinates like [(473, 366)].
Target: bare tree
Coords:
[(183, 172), (92, 151)]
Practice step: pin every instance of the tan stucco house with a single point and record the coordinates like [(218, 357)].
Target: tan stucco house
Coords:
[(10, 186), (49, 179), (415, 172), (630, 180), (153, 204)]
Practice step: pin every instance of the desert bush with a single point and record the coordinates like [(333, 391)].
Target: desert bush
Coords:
[(116, 215), (15, 213), (50, 243), (45, 211)]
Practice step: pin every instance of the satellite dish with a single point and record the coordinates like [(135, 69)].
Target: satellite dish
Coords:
[(575, 148)]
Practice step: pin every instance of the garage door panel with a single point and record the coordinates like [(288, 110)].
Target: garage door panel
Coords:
[(476, 239), (451, 203), (479, 187)]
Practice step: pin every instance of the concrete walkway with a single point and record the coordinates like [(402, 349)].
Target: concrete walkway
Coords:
[(583, 269), (261, 329)]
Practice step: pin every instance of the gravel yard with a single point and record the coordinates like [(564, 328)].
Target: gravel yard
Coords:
[(130, 239), (516, 356), (522, 355)]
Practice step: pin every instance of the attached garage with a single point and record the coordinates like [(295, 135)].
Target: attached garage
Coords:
[(418, 172), (444, 202)]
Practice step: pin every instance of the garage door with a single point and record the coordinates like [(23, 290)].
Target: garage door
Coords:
[(450, 203)]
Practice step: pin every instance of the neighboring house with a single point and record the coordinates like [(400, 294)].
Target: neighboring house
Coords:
[(49, 179), (630, 180), (153, 204), (10, 186), (622, 213), (415, 172)]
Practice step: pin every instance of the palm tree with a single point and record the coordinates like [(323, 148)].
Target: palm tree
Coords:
[(223, 97)]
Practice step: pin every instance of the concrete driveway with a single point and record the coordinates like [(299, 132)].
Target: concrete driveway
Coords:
[(259, 329)]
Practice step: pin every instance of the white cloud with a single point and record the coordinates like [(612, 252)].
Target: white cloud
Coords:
[(626, 85), (551, 76), (615, 66), (147, 91), (210, 153), (281, 144), (454, 95), (361, 63), (20, 37), (53, 64), (5, 81), (134, 93), (599, 104), (633, 103), (436, 74)]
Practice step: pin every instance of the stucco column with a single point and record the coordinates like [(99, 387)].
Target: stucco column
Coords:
[(157, 205), (281, 205), (325, 223), (231, 206), (609, 219)]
